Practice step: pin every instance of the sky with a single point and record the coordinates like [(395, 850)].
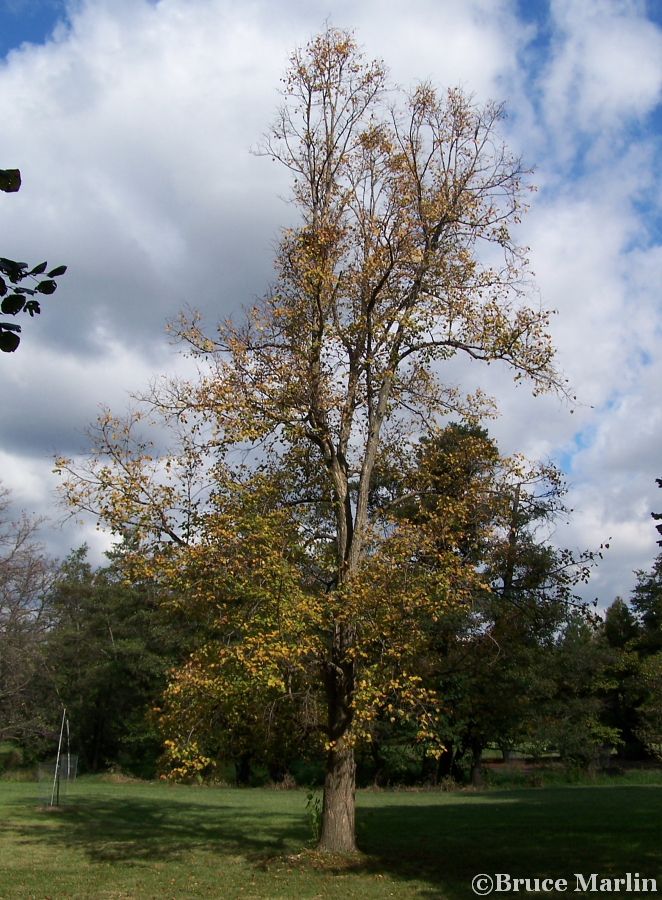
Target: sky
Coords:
[(133, 121)]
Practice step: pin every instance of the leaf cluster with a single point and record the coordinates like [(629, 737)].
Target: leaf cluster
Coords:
[(16, 297)]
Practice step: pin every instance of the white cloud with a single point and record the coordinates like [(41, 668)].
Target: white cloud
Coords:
[(606, 69), (133, 134), (472, 44)]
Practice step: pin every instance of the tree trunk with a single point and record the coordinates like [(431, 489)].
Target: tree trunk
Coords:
[(476, 764), (338, 827), (445, 764), (242, 768), (338, 820), (379, 763)]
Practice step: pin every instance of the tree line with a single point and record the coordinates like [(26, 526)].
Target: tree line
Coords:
[(525, 665)]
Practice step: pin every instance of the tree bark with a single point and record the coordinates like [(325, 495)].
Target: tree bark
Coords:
[(242, 768), (476, 764), (445, 764), (338, 818)]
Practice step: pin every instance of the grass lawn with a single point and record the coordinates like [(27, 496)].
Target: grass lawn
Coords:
[(153, 840)]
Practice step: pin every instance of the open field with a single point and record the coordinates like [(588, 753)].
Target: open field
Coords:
[(148, 840)]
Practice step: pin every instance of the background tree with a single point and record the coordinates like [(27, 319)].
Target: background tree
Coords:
[(105, 656), (402, 205), (25, 577), (646, 601), (572, 715), (649, 711), (620, 625), (643, 690), (622, 633), (488, 663)]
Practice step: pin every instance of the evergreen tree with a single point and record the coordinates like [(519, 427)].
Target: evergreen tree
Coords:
[(107, 655)]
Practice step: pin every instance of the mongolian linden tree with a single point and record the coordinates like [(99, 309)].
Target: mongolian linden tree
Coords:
[(265, 522)]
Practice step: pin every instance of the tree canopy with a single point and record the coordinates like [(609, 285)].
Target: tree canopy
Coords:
[(264, 518)]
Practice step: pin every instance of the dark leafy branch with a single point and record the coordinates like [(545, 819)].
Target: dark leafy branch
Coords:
[(658, 516), (21, 286)]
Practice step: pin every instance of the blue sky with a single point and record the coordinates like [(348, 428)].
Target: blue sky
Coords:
[(28, 20), (133, 130)]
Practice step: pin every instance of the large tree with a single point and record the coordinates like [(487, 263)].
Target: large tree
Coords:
[(403, 257)]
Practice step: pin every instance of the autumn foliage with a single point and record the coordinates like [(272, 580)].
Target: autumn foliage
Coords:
[(270, 518)]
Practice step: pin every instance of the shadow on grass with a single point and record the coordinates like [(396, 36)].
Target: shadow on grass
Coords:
[(133, 830), (439, 840), (548, 833)]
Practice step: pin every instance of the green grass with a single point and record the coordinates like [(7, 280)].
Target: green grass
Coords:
[(152, 840), (514, 777)]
